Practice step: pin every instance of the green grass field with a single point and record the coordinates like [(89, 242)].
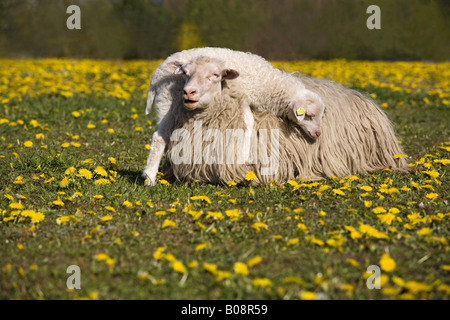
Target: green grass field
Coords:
[(131, 241)]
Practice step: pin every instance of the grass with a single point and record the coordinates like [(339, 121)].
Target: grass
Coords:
[(290, 241)]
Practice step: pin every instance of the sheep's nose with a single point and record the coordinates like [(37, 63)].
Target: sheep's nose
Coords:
[(188, 92), (317, 133)]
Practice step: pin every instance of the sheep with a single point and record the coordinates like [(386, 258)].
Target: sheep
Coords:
[(357, 138), (204, 81), (267, 89)]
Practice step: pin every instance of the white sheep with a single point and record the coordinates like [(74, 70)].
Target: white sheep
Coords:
[(267, 89)]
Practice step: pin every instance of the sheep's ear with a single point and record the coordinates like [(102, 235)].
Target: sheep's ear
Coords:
[(176, 67), (229, 74)]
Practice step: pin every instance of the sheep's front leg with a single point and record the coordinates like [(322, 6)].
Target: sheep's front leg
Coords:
[(249, 121), (160, 139)]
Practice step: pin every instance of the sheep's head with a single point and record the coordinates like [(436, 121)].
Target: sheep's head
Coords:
[(308, 109), (203, 80)]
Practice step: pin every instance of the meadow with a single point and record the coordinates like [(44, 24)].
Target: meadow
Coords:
[(74, 139)]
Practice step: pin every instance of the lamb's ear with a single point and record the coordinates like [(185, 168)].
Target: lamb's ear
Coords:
[(176, 67), (299, 110), (229, 74)]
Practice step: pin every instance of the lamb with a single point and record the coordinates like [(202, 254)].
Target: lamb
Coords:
[(267, 89), (357, 138)]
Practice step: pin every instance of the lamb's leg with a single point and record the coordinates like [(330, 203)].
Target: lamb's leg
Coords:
[(160, 139)]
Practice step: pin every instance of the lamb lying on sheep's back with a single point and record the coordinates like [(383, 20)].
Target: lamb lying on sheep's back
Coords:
[(267, 89)]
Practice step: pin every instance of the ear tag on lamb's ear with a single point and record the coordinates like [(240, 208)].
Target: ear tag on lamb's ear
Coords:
[(300, 111)]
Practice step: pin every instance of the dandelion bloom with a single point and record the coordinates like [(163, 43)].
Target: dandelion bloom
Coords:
[(254, 261), (261, 282), (379, 210), (432, 196), (202, 246), (250, 176), (109, 208), (387, 263), (204, 198), (28, 144), (259, 225), (85, 173), (178, 267), (168, 224), (58, 203), (424, 232), (241, 268), (16, 206)]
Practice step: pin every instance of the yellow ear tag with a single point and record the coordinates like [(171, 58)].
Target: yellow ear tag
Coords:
[(300, 111)]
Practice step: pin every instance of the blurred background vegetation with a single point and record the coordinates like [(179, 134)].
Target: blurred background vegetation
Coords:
[(275, 29)]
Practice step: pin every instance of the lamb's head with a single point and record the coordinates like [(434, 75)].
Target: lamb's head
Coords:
[(307, 110), (203, 80)]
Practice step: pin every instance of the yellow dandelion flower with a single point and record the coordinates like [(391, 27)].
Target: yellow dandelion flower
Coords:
[(259, 225), (178, 267), (292, 242), (261, 282), (64, 183), (424, 232), (202, 198), (91, 126), (58, 203), (70, 170), (128, 204), (16, 206), (386, 218), (254, 261), (101, 257), (210, 267), (101, 171), (387, 263), (76, 114), (105, 218), (353, 262), (102, 181), (28, 144), (379, 210), (168, 224), (366, 188), (85, 173), (202, 246), (250, 176), (432, 196), (109, 208), (241, 268), (307, 295)]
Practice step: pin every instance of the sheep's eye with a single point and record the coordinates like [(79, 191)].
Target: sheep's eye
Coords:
[(308, 117)]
